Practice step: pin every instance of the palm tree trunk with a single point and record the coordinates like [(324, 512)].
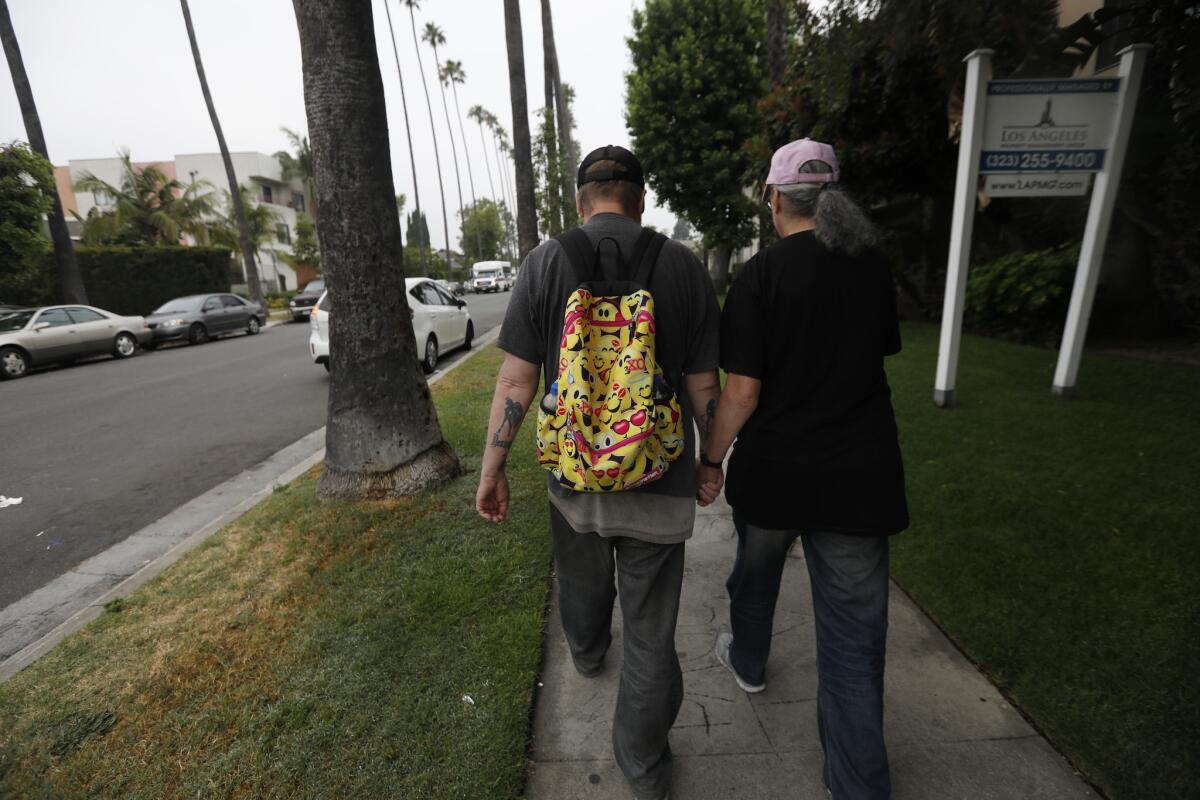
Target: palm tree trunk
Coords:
[(527, 228), (437, 159), (453, 152), (462, 130), (554, 223), (69, 277), (486, 162), (408, 131), (235, 193), (382, 437), (570, 158), (502, 169)]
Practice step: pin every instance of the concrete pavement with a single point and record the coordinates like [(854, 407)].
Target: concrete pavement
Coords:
[(950, 733)]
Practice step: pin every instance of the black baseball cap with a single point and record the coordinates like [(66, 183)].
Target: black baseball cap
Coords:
[(628, 167)]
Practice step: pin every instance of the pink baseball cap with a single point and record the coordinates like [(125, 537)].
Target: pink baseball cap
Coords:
[(802, 161)]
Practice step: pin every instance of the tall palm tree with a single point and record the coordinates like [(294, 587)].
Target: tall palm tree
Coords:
[(527, 228), (235, 193), (435, 37), (413, 5), (549, 138), (382, 437), (453, 74), (64, 252), (480, 115), (412, 158), (500, 144), (298, 164)]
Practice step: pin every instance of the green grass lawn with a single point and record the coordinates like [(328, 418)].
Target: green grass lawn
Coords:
[(1058, 543), (309, 650)]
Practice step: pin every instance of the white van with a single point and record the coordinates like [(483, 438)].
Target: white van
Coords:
[(491, 276)]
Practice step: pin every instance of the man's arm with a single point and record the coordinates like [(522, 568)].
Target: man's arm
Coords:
[(704, 392), (738, 402), (516, 385)]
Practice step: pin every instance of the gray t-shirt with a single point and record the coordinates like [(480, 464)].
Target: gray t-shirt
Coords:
[(687, 330)]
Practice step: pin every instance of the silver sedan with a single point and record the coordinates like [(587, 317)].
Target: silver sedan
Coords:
[(31, 337)]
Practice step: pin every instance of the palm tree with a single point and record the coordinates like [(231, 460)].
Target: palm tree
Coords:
[(147, 207), (480, 115), (413, 5), (382, 436), (412, 158), (453, 74), (298, 164), (503, 162), (434, 37), (261, 219), (527, 229), (64, 252), (239, 210), (557, 98)]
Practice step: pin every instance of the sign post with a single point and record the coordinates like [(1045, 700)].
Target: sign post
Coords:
[(979, 72), (1104, 196)]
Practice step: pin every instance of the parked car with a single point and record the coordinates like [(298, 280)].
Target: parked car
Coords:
[(441, 322), (200, 317), (301, 305), (454, 287), (31, 337)]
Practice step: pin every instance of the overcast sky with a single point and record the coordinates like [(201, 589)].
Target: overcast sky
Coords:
[(118, 73)]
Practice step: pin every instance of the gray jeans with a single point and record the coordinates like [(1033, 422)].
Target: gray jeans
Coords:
[(648, 579)]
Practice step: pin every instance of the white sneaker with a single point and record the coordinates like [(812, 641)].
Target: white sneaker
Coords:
[(724, 640)]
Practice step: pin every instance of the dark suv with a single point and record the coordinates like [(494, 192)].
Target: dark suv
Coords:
[(302, 304)]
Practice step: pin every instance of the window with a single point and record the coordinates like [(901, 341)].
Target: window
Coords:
[(211, 304), (315, 285), (85, 315), (102, 198), (283, 234), (57, 317), (264, 194), (444, 296), (14, 320), (298, 201), (232, 302), (426, 294)]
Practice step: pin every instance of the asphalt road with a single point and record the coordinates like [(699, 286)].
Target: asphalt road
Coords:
[(102, 449)]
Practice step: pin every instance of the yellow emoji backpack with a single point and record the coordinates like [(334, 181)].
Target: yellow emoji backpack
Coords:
[(608, 422)]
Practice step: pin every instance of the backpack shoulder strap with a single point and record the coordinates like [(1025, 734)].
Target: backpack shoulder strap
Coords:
[(645, 256), (579, 252)]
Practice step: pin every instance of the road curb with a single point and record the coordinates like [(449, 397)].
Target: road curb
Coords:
[(279, 469)]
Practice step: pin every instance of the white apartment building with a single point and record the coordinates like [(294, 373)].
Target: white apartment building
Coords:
[(262, 174)]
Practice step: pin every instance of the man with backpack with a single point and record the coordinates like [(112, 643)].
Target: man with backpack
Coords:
[(622, 326)]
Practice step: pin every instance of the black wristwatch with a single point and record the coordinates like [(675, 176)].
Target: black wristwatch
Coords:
[(713, 464)]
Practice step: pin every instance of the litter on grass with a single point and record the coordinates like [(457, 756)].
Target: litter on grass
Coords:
[(466, 698), (5, 502)]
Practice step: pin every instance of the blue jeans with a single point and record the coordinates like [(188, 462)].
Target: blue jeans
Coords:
[(849, 576)]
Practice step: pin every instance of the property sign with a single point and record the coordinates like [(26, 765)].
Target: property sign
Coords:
[(1048, 125), (1040, 184)]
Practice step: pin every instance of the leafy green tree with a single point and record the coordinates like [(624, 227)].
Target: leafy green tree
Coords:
[(26, 193), (484, 223), (691, 108), (146, 207), (70, 278)]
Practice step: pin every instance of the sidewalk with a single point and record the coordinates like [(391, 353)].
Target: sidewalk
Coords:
[(950, 733)]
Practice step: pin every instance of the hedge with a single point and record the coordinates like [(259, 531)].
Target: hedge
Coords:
[(137, 280)]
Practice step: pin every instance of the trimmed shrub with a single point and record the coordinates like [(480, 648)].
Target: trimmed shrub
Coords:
[(137, 280), (1022, 296)]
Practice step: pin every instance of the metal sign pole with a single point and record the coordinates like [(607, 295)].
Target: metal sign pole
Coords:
[(1104, 197), (979, 72)]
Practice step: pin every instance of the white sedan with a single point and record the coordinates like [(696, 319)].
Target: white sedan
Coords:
[(440, 320)]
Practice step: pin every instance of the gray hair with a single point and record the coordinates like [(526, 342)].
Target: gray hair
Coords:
[(841, 224)]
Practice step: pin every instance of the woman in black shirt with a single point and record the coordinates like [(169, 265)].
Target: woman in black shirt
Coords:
[(805, 329)]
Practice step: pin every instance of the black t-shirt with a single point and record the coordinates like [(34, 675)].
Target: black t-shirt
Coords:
[(820, 451)]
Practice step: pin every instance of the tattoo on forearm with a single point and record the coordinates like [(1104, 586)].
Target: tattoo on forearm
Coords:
[(513, 414), (705, 423)]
